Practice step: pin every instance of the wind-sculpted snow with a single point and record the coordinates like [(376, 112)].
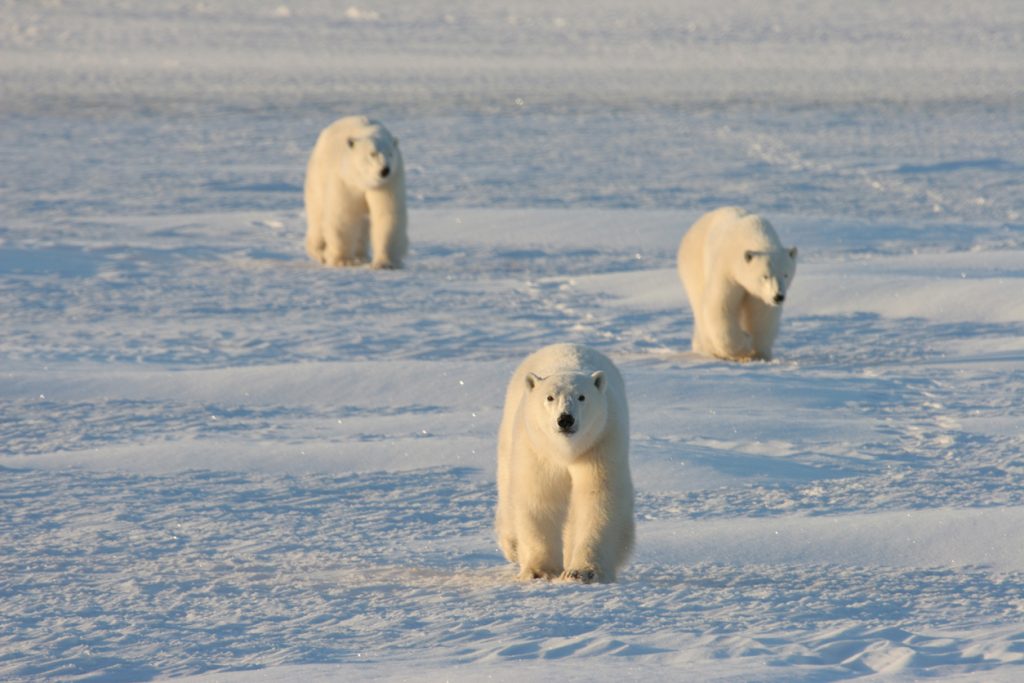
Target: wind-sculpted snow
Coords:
[(133, 575), (312, 484), (221, 462)]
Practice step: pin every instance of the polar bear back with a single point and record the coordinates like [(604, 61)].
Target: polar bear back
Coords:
[(335, 136), (332, 144), (721, 236)]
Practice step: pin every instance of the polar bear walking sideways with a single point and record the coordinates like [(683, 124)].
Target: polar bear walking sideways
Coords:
[(736, 274), (355, 196), (565, 495)]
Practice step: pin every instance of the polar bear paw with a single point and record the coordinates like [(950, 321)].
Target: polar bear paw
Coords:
[(582, 575), (528, 574), (739, 347), (337, 260)]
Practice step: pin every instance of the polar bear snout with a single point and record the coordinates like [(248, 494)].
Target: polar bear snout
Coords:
[(566, 423), (385, 172), (779, 298)]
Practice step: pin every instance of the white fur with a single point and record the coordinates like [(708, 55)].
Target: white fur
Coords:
[(565, 501), (734, 269), (348, 200)]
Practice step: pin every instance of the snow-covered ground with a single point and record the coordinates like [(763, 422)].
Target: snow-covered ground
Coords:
[(220, 462)]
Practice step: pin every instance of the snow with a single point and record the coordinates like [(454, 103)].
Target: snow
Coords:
[(222, 463)]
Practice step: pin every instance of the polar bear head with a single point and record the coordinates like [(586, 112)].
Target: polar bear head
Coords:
[(767, 275), (566, 413), (373, 160)]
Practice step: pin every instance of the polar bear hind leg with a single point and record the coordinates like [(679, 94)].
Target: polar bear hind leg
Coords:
[(315, 242), (700, 343), (504, 522), (314, 223)]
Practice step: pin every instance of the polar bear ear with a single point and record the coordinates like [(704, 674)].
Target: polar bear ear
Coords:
[(532, 380), (792, 253), (599, 380)]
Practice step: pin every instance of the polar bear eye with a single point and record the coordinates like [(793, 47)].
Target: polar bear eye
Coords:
[(551, 398)]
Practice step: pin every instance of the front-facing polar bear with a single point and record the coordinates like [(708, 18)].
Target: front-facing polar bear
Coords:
[(736, 273), (355, 194), (565, 496)]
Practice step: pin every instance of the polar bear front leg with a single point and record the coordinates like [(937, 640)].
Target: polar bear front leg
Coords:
[(722, 332), (591, 536), (762, 322), (537, 543), (537, 510), (344, 230), (388, 225)]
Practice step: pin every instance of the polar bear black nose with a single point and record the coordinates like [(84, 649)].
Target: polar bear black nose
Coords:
[(385, 172), (779, 298), (566, 421)]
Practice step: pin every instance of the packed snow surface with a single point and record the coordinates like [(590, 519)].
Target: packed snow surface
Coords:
[(220, 461)]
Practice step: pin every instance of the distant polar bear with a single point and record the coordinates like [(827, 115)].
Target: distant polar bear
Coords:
[(565, 496), (355, 193), (736, 273)]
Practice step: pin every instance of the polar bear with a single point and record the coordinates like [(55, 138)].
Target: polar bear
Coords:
[(736, 274), (565, 496), (355, 188)]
